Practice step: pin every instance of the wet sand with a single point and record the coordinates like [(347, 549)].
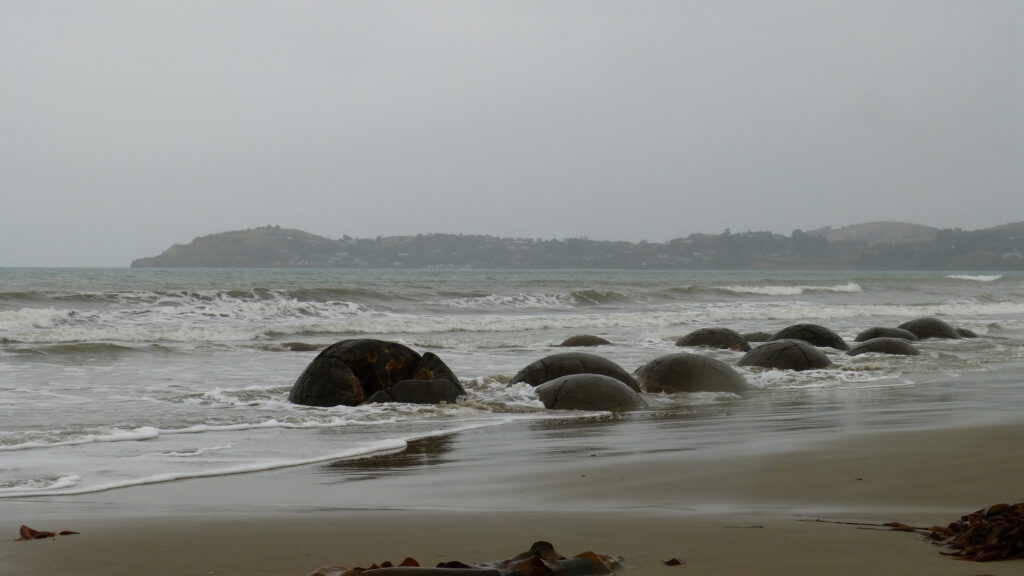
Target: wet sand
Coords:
[(739, 512)]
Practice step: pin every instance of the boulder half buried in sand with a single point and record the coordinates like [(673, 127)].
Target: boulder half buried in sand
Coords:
[(686, 372), (882, 332), (351, 371), (584, 340), (565, 363), (786, 355), (930, 328), (884, 346), (812, 334), (589, 392), (715, 338)]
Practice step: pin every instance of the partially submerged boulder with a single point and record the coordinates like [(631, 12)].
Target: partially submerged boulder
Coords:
[(584, 340), (589, 392), (715, 338), (350, 372), (562, 364), (884, 345), (813, 334), (930, 327), (757, 336), (786, 355), (882, 332), (686, 372)]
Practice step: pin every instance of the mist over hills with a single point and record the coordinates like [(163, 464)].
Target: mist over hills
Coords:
[(872, 245)]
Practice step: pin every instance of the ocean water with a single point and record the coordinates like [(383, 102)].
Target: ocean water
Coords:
[(119, 377)]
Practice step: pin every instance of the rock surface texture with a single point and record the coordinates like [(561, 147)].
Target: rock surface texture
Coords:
[(786, 355), (686, 372), (589, 392)]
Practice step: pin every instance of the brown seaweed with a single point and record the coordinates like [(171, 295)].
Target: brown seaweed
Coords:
[(26, 533), (993, 533), (540, 560)]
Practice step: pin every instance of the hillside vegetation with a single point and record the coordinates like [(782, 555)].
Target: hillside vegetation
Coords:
[(876, 245)]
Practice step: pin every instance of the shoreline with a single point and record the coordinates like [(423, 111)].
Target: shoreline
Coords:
[(454, 500)]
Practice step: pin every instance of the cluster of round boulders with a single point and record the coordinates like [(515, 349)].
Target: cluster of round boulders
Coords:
[(884, 345), (556, 365), (685, 372), (715, 338), (931, 328), (351, 372), (787, 354), (812, 334), (584, 340), (589, 392)]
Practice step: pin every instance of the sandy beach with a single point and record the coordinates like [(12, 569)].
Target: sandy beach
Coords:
[(747, 513)]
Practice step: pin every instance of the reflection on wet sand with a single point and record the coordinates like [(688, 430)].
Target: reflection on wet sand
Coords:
[(418, 453)]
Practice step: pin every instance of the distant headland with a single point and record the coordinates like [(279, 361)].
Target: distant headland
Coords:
[(873, 245)]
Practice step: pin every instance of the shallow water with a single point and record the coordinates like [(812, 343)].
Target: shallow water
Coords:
[(113, 378)]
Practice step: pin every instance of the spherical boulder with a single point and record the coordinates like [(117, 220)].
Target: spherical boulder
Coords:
[(880, 332), (930, 327), (884, 345), (786, 355), (565, 363), (758, 336), (351, 371), (589, 392), (812, 334), (584, 340), (686, 372), (715, 338)]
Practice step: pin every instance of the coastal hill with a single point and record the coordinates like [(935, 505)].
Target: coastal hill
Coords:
[(874, 245), (873, 233)]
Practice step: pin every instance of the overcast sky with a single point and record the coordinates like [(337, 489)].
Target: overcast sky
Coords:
[(127, 126)]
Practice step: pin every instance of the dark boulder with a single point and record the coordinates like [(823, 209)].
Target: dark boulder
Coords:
[(420, 392), (351, 371), (880, 332), (589, 392), (757, 336), (812, 334), (786, 355), (565, 363), (966, 333), (584, 340), (685, 372), (930, 328), (885, 345), (715, 338)]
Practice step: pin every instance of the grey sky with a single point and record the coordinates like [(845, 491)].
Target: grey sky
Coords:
[(126, 126)]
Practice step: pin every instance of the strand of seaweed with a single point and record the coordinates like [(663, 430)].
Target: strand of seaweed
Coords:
[(993, 533)]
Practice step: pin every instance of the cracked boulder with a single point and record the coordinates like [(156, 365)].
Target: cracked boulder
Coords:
[(786, 355), (715, 338), (686, 372), (563, 364), (589, 392), (351, 372)]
